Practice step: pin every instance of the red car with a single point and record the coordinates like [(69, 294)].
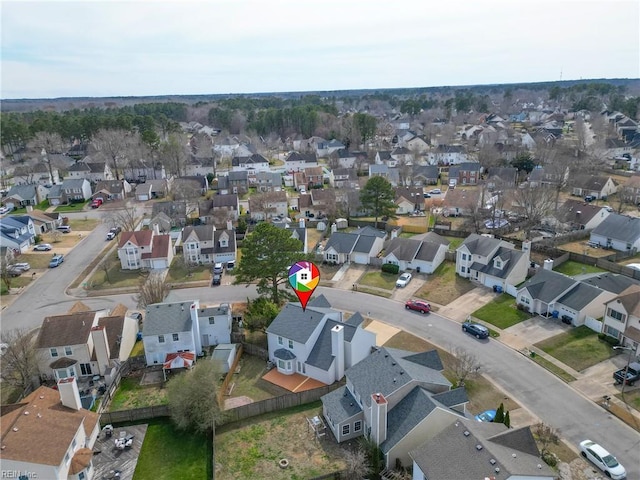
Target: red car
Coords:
[(418, 306), (96, 203)]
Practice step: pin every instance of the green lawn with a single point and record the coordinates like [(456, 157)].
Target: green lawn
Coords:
[(83, 225), (168, 453), (379, 280), (553, 368), (444, 286), (455, 242), (116, 277), (73, 207), (579, 348), (16, 282), (572, 268), (131, 394), (138, 349), (502, 312), (178, 272)]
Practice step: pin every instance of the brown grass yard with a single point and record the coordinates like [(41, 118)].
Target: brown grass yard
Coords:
[(252, 448), (248, 382), (444, 286), (83, 224), (37, 260), (582, 248), (379, 279)]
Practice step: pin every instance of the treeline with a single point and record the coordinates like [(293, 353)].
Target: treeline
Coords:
[(18, 128), (594, 97)]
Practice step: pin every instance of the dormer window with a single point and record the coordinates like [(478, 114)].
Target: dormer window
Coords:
[(497, 263)]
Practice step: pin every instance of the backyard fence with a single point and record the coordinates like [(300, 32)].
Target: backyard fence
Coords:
[(256, 351), (134, 414), (276, 403)]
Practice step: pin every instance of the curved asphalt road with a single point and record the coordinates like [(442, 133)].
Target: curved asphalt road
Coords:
[(547, 397)]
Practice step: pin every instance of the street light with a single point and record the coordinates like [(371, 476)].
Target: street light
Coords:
[(626, 369)]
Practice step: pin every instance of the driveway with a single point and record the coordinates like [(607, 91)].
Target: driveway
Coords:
[(460, 308), (535, 330)]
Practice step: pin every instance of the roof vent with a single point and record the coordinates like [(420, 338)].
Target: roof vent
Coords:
[(3, 447), (393, 363), (513, 455), (478, 447), (401, 372), (26, 412), (41, 397), (539, 466), (497, 470), (492, 461), (39, 415), (466, 433), (457, 424), (345, 393), (394, 380), (15, 429), (351, 404), (386, 355)]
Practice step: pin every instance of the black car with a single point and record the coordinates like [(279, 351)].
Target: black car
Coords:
[(475, 329), (216, 279)]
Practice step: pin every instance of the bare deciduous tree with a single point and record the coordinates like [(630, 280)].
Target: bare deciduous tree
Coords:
[(125, 218), (173, 154), (46, 144), (546, 436), (6, 276), (19, 362), (116, 147), (357, 464), (105, 266), (534, 203), (465, 365), (153, 290)]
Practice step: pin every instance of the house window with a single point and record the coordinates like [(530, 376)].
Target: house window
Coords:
[(332, 257), (175, 337), (357, 426), (291, 344), (280, 341), (524, 300), (85, 368), (346, 429), (464, 256), (54, 352), (498, 264), (616, 315), (212, 320), (280, 363), (73, 444), (160, 338), (67, 458), (81, 476), (68, 351)]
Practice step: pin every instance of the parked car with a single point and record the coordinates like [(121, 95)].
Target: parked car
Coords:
[(475, 329), (111, 235), (4, 210), (593, 244), (42, 247), (64, 228), (602, 459), (231, 265), (403, 280), (589, 198), (632, 374), (435, 191), (486, 416), (24, 266), (56, 260), (13, 271), (217, 268), (418, 305), (217, 278), (96, 202), (426, 195)]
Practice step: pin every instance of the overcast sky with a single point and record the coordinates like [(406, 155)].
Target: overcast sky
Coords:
[(68, 49)]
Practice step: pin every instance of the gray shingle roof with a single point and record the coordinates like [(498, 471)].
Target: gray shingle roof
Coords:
[(611, 282), (164, 318), (479, 245), (340, 404), (364, 244), (284, 354), (464, 460), (619, 227), (405, 415), (370, 232), (295, 324), (508, 256), (203, 232), (23, 192), (404, 249), (73, 183), (341, 242), (321, 354), (546, 285), (580, 296), (454, 397), (319, 301), (387, 369)]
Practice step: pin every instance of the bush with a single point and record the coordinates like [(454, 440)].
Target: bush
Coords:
[(390, 268), (608, 339), (550, 459)]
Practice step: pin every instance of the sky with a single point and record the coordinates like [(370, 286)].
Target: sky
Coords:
[(56, 48)]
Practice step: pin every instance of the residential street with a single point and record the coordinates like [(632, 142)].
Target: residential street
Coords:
[(547, 397)]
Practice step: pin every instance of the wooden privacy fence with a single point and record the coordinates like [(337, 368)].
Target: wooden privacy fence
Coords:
[(256, 351), (134, 414)]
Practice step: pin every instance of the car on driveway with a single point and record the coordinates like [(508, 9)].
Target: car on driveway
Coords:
[(435, 191), (42, 247), (418, 306), (475, 329), (56, 260), (486, 416), (14, 271), (602, 459), (217, 279), (24, 266), (629, 375), (403, 280)]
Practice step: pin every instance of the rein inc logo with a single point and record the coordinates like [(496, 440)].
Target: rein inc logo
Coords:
[(304, 277), (18, 474)]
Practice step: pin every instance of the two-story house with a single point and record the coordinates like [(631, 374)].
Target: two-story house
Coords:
[(71, 190), (345, 178), (622, 318), (317, 342), (237, 182), (91, 171), (467, 173), (145, 249), (112, 189), (204, 244), (268, 181), (263, 206), (447, 155), (255, 162), (492, 262), (215, 324), (396, 399), (219, 209), (51, 436), (17, 232), (618, 232), (296, 161), (84, 343)]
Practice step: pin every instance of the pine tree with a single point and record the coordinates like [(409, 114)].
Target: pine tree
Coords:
[(499, 418), (507, 420)]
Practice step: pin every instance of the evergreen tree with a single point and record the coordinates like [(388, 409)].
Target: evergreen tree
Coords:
[(499, 414), (507, 420)]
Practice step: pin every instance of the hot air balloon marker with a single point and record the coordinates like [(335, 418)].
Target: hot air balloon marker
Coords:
[(304, 277)]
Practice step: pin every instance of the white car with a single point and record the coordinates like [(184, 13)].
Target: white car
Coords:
[(42, 247), (435, 191), (403, 280), (24, 266), (4, 210), (603, 460)]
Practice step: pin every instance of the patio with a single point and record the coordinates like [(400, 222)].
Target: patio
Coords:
[(294, 383), (107, 459)]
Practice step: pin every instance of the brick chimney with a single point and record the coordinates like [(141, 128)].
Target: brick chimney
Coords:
[(378, 418), (69, 393), (101, 347)]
